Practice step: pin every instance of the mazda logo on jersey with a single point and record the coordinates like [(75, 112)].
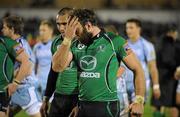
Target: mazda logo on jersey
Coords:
[(88, 63)]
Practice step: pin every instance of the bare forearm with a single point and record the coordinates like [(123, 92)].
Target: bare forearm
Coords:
[(60, 58), (154, 75), (133, 63), (139, 82), (24, 70)]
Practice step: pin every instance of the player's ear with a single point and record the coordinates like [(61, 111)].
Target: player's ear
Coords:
[(88, 26)]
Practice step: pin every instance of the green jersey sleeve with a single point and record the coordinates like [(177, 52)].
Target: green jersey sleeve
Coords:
[(14, 48), (120, 45)]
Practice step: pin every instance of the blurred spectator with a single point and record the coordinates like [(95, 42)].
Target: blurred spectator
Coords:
[(167, 63), (42, 51)]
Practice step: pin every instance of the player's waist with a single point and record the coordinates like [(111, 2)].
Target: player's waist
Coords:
[(67, 90), (98, 103), (29, 80)]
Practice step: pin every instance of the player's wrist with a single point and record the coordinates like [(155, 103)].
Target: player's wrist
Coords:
[(16, 82), (139, 99), (66, 41), (156, 87)]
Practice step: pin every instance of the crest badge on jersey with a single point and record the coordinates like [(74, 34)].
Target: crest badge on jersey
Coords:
[(18, 48), (81, 46)]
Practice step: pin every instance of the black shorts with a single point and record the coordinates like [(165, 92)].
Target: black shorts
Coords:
[(62, 105), (4, 101), (99, 109), (168, 94)]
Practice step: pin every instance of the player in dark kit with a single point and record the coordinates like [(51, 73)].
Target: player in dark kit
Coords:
[(97, 55)]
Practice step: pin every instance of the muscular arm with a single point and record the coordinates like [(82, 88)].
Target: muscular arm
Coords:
[(62, 57), (154, 75), (25, 67), (153, 71), (132, 62), (24, 70)]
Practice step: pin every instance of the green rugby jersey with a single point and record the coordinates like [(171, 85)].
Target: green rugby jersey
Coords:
[(97, 66), (9, 50), (67, 80)]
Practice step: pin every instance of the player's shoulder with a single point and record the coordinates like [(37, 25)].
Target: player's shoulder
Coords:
[(113, 36), (25, 42), (116, 39), (57, 39), (37, 45), (8, 41), (147, 43)]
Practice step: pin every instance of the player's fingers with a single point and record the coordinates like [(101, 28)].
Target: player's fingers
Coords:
[(75, 21), (72, 21), (68, 20)]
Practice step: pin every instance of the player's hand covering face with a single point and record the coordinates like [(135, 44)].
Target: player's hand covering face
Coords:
[(71, 27)]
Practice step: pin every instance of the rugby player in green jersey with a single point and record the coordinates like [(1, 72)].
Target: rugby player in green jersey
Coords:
[(97, 55), (10, 52), (64, 84)]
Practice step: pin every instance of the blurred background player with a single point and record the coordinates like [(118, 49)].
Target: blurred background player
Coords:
[(167, 62), (145, 52), (42, 52), (10, 52), (64, 84), (26, 95)]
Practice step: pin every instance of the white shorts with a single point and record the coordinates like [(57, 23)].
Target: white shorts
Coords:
[(28, 99)]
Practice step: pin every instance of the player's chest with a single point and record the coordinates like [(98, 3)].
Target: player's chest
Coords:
[(97, 53), (43, 51), (139, 50)]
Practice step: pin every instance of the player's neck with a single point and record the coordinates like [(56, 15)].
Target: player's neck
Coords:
[(96, 31), (46, 40), (135, 38)]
